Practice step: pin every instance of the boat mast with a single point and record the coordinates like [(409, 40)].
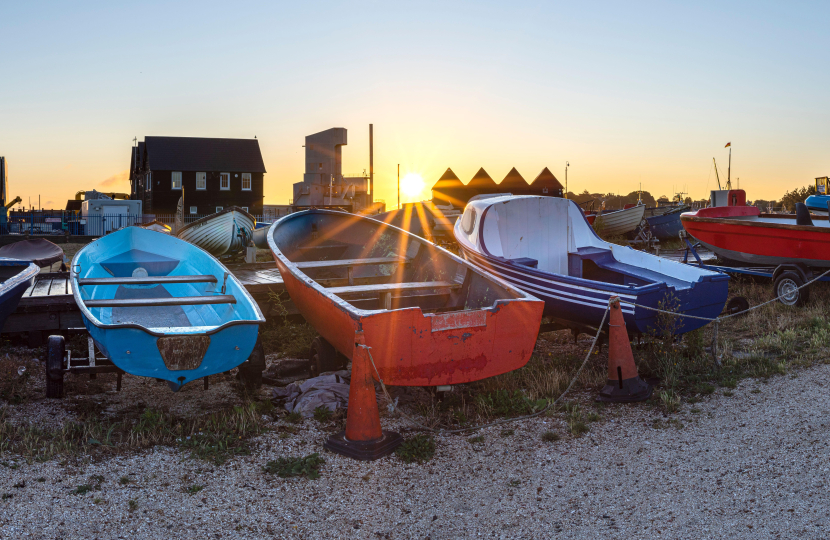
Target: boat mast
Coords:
[(729, 170), (716, 172), (566, 179)]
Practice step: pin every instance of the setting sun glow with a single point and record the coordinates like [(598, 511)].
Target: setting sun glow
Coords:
[(412, 185)]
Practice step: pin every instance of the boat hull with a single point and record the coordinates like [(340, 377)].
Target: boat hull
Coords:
[(224, 233), (665, 227), (260, 235), (12, 289), (621, 221), (410, 347), (775, 242), (817, 204), (581, 301)]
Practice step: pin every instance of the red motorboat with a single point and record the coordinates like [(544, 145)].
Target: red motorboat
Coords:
[(430, 317), (742, 233)]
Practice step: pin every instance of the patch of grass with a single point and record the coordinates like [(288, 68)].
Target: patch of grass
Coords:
[(7, 496), (695, 411), (729, 382), (593, 417), (124, 480), (97, 500), (420, 449), (40, 479), (704, 388), (83, 489), (514, 483), (294, 418), (550, 436), (755, 391), (577, 427), (505, 403), (282, 335), (476, 439), (670, 400), (507, 433), (308, 466), (20, 485), (194, 489), (322, 414), (728, 393), (132, 505)]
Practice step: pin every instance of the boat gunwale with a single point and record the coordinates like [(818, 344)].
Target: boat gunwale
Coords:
[(692, 218), (358, 313), (30, 271), (88, 316)]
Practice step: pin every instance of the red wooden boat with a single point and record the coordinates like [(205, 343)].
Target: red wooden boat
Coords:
[(430, 317), (742, 233)]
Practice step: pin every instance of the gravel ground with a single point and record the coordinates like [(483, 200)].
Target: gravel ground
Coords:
[(753, 465)]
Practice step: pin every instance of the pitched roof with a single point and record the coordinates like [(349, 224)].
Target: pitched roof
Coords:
[(449, 188), (513, 182), (448, 180), (203, 154), (546, 179), (482, 182)]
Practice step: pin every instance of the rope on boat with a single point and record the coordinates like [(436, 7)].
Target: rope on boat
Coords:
[(443, 431)]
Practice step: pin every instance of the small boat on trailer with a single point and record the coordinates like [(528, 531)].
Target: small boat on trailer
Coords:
[(429, 317), (664, 221), (224, 233), (619, 222), (16, 276), (785, 247), (545, 246), (817, 203), (158, 307)]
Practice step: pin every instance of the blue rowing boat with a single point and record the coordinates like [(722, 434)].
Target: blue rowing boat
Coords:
[(15, 277), (545, 246), (664, 222), (157, 306)]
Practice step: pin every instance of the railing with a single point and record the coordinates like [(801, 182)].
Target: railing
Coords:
[(62, 223)]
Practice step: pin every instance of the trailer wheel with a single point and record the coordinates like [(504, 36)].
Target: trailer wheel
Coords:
[(323, 357), (55, 353), (250, 371), (787, 288)]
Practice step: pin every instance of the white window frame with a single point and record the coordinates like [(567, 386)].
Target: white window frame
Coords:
[(246, 176), (193, 211), (175, 175), (203, 177), (219, 208), (245, 208), (222, 177), (148, 178)]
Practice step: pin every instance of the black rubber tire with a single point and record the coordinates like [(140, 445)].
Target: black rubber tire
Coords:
[(250, 371), (788, 282), (55, 353), (323, 357), (737, 304)]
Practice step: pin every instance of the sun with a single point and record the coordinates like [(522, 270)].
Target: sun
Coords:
[(412, 185)]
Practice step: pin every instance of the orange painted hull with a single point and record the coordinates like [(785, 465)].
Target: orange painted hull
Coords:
[(411, 348)]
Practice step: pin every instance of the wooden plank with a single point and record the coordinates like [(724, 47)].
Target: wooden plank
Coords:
[(384, 287), (41, 287), (150, 280), (58, 286), (352, 262), (147, 302)]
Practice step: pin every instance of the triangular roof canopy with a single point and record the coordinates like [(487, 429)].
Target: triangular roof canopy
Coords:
[(450, 189), (513, 182), (448, 180), (546, 179), (482, 182)]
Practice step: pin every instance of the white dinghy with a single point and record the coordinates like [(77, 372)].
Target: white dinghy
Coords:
[(224, 233)]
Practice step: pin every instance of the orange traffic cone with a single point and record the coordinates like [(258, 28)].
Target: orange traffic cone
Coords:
[(624, 384), (363, 438)]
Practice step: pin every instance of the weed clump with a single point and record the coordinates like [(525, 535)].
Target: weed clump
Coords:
[(322, 414), (308, 466), (419, 448), (550, 436)]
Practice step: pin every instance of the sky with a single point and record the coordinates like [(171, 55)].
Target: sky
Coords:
[(630, 94)]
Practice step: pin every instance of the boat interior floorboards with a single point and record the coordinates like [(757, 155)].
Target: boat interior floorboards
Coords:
[(158, 316)]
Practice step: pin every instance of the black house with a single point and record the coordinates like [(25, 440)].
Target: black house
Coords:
[(211, 173)]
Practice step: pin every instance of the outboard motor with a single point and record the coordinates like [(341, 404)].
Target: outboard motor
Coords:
[(802, 215)]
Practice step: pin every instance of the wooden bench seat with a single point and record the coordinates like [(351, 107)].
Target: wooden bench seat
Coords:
[(390, 287), (150, 302), (352, 262), (150, 280)]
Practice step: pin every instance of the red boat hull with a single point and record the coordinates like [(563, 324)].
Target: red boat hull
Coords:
[(742, 234), (411, 348)]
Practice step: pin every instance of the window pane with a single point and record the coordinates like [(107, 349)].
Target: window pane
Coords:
[(177, 180), (246, 181), (192, 209), (201, 180), (218, 208), (225, 181)]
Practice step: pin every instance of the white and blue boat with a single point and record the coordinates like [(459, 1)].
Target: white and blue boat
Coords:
[(157, 306), (817, 204), (15, 277), (545, 246)]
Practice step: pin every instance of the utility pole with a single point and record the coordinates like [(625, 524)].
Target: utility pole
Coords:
[(566, 179), (371, 165), (399, 186), (729, 170)]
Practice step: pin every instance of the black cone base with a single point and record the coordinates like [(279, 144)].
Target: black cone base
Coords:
[(364, 450), (634, 389)]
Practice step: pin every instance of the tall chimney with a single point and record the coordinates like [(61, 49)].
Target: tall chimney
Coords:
[(371, 166)]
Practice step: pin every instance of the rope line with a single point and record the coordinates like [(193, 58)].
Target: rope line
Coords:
[(443, 431)]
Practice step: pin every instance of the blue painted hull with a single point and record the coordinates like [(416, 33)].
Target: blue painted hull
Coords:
[(584, 301), (817, 203), (206, 339), (665, 227), (13, 287)]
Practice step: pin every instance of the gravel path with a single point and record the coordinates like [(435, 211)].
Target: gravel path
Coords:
[(754, 465)]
